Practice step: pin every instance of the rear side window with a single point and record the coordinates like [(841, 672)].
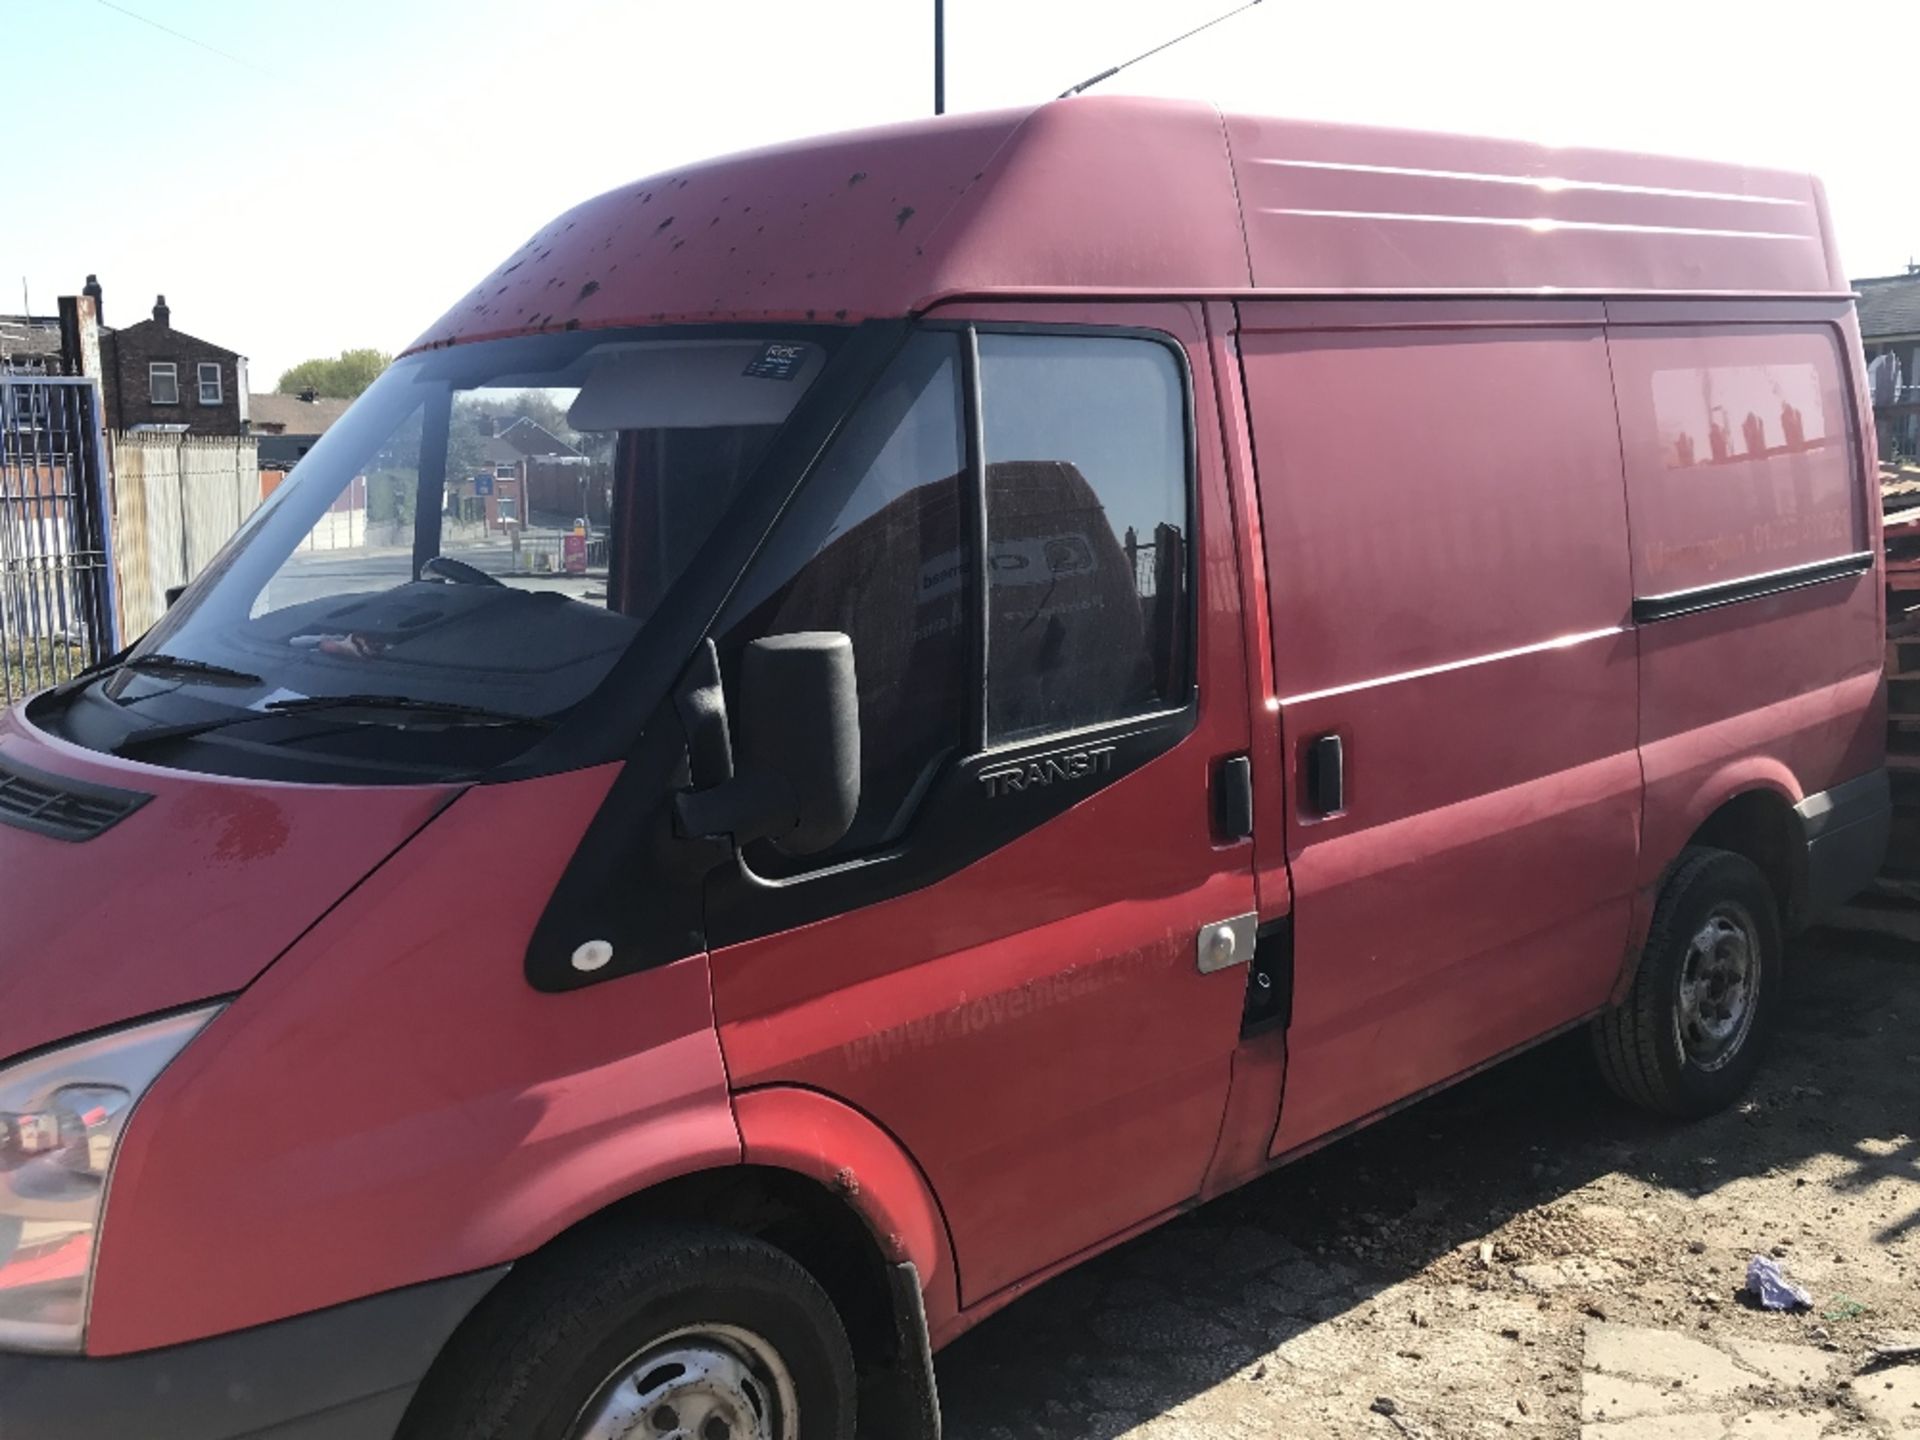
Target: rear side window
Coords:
[(1739, 451), (1086, 475)]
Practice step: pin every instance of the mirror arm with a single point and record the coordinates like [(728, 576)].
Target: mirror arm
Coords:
[(750, 806), (755, 880), (796, 782), (702, 707), (722, 802)]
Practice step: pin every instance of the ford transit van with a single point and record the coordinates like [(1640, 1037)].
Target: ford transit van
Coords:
[(861, 722)]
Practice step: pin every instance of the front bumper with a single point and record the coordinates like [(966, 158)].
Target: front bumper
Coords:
[(1847, 829), (340, 1374)]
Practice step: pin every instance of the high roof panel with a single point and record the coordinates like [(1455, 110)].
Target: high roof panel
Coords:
[(1117, 195), (1348, 208), (1099, 194)]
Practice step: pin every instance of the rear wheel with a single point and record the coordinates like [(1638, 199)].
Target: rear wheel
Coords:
[(1689, 1037), (675, 1333)]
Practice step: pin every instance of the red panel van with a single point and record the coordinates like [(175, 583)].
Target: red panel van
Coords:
[(1116, 644)]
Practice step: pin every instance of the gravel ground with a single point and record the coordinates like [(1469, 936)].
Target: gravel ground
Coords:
[(1521, 1255)]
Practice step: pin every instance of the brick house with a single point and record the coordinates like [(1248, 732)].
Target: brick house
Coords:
[(524, 475), (154, 377)]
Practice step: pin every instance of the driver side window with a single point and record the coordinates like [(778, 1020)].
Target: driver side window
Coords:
[(1085, 518), (876, 546)]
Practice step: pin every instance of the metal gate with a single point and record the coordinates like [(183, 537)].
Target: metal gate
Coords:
[(56, 572)]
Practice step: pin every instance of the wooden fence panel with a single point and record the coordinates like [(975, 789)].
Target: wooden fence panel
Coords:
[(177, 500)]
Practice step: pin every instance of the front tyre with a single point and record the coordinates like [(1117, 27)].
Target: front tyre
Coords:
[(673, 1333), (1689, 1036)]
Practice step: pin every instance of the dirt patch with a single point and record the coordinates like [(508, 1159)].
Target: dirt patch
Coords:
[(1458, 1261)]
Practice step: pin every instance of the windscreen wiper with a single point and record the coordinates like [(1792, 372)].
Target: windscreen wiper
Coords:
[(449, 711), (392, 710), (158, 664)]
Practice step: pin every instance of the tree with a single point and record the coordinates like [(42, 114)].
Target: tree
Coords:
[(340, 378)]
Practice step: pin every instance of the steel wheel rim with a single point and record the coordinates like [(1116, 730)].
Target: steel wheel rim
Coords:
[(1719, 987), (703, 1382)]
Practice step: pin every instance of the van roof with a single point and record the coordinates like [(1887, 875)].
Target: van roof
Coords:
[(1121, 196)]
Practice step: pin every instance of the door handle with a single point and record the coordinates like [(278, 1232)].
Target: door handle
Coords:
[(1233, 798), (1325, 766)]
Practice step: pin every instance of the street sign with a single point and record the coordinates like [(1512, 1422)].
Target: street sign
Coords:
[(483, 485)]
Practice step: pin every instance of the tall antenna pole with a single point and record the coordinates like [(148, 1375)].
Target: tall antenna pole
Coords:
[(939, 57), (1113, 70)]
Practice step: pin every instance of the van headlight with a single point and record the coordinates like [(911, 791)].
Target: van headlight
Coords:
[(61, 1117)]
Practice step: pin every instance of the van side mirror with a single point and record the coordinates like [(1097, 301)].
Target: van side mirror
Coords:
[(794, 743)]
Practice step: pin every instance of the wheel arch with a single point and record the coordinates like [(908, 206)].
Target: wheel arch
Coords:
[(1761, 825), (798, 1215), (823, 1183), (863, 1169), (1747, 809)]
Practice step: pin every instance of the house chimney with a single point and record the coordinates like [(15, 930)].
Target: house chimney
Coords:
[(92, 291), (80, 334), (309, 395), (161, 314)]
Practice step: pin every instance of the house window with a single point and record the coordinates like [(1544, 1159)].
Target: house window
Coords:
[(508, 509), (209, 382), (163, 383)]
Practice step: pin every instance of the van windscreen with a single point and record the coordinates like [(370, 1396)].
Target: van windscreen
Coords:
[(484, 532)]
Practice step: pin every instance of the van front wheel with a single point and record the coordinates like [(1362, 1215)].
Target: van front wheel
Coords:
[(1689, 1036), (679, 1333)]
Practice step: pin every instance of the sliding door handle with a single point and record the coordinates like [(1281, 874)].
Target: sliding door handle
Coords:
[(1324, 775)]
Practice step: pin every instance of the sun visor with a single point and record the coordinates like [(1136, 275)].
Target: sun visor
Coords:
[(696, 385)]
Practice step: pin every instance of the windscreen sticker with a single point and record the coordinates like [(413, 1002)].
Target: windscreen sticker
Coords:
[(777, 362)]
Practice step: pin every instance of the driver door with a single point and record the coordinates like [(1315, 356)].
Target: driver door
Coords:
[(1023, 531)]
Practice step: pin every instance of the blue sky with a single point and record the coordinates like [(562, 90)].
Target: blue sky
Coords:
[(359, 163)]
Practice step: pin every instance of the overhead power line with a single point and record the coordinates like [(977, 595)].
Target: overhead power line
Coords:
[(180, 35)]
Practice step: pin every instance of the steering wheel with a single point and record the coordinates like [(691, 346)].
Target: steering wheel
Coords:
[(456, 572)]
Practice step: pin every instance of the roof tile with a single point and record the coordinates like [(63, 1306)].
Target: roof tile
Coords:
[(1889, 306)]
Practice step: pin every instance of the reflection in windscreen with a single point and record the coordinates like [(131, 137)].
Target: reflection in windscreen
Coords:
[(490, 524), (527, 499)]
